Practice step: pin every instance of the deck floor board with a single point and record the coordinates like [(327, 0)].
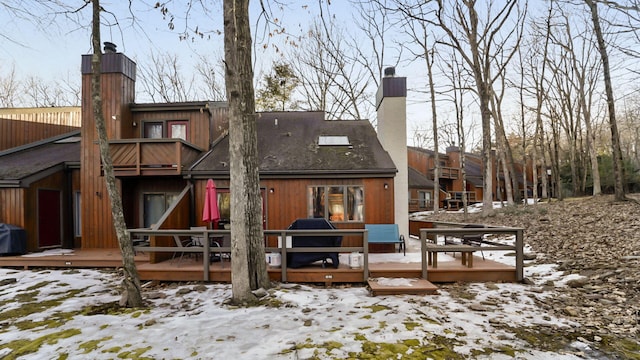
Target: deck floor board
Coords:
[(190, 269)]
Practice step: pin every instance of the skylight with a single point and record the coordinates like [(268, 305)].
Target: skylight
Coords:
[(328, 140)]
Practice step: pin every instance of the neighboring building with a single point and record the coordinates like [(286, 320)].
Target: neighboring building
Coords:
[(451, 181), (421, 192), (21, 126)]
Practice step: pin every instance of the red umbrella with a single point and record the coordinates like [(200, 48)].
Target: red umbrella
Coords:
[(210, 212)]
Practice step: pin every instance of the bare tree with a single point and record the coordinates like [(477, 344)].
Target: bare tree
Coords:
[(585, 73), (164, 80), (618, 169), (211, 76), (459, 90), (9, 89), (537, 68), (131, 283), (475, 41), (504, 149), (248, 267), (330, 79), (426, 52)]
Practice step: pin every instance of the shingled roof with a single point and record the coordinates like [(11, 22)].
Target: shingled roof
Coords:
[(289, 144), (20, 166), (418, 181)]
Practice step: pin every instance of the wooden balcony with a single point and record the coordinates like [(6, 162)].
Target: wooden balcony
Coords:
[(447, 173), (152, 157)]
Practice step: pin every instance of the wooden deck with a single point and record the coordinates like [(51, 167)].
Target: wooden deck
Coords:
[(94, 258), (190, 269)]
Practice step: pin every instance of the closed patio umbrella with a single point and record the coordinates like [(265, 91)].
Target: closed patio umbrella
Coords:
[(211, 212)]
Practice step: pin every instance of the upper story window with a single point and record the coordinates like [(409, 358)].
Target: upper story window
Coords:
[(172, 129)]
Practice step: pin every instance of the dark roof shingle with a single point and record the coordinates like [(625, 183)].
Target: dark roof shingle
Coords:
[(19, 166), (288, 145)]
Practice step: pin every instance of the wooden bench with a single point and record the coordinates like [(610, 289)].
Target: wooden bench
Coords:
[(466, 251), (386, 234)]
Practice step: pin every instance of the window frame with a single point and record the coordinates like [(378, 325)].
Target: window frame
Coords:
[(424, 198), (166, 128), (167, 204), (350, 213)]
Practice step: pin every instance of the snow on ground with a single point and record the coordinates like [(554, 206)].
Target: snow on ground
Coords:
[(54, 314)]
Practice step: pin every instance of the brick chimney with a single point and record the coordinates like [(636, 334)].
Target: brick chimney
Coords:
[(391, 105)]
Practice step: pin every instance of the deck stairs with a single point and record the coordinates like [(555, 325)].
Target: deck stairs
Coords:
[(401, 286)]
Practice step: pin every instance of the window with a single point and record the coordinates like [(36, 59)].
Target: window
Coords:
[(224, 205), (424, 198), (153, 130), (155, 204), (175, 129), (336, 203)]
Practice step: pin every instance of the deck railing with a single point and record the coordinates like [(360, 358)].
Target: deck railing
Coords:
[(135, 157), (430, 235), (427, 235), (282, 249), (447, 172)]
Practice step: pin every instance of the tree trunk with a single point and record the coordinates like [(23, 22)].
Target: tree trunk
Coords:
[(248, 265), (131, 296), (618, 169), (436, 156), (508, 170), (484, 95)]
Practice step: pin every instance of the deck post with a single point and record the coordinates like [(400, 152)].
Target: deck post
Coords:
[(283, 256), (205, 256), (423, 252), (365, 255), (519, 255)]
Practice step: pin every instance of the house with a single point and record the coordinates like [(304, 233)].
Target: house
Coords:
[(39, 185), (420, 191), (39, 173), (163, 154), (451, 183)]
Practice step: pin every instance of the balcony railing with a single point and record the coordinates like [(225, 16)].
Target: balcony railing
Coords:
[(151, 157), (447, 173)]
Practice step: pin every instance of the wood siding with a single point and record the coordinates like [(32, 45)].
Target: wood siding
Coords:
[(117, 93), (20, 208), (20, 126), (198, 127), (288, 202), (12, 206), (419, 161), (178, 218)]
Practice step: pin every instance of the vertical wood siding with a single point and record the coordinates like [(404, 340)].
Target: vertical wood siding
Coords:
[(288, 202), (12, 206), (18, 206), (117, 94), (20, 126), (198, 124)]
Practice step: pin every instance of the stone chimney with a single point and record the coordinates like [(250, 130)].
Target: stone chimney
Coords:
[(391, 105)]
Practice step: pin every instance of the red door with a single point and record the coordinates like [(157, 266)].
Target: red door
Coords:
[(49, 219)]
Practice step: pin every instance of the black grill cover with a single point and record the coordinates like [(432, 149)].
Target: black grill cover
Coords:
[(296, 260), (13, 239)]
